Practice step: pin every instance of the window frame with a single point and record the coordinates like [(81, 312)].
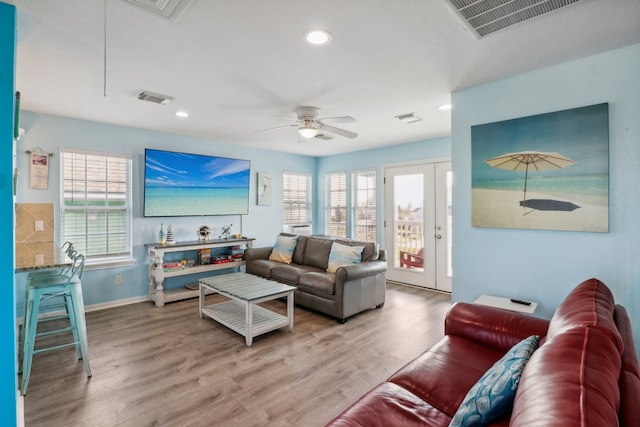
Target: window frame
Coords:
[(356, 208), (305, 204), (101, 259), (336, 202)]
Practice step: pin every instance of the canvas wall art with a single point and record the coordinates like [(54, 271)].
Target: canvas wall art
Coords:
[(264, 189), (544, 172)]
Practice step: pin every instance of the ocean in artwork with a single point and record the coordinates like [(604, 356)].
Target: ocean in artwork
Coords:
[(195, 201), (585, 185)]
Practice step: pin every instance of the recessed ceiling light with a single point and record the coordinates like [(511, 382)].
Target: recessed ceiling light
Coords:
[(182, 114), (318, 37), (444, 107)]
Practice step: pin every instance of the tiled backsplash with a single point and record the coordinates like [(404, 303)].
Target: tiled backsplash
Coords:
[(27, 214)]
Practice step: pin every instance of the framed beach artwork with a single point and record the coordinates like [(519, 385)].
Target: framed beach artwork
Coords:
[(543, 172), (264, 189)]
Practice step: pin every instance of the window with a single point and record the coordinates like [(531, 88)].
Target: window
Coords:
[(296, 202), (336, 204), (96, 204), (364, 205)]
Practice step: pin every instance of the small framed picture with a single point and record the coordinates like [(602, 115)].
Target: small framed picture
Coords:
[(264, 189)]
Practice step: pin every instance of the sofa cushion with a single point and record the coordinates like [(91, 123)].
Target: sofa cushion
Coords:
[(262, 267), (318, 283), (390, 405), (316, 252), (290, 273), (298, 254), (571, 380), (588, 304), (492, 396), (283, 249), (342, 255), (443, 374)]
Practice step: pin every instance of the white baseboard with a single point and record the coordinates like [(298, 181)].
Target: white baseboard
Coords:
[(117, 303), (94, 307)]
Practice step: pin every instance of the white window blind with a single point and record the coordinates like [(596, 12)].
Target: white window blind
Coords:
[(296, 199), (336, 204), (364, 203), (96, 204)]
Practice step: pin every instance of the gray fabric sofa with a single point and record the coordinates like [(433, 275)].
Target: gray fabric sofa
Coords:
[(350, 290)]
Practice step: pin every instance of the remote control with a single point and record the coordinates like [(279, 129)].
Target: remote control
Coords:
[(519, 301)]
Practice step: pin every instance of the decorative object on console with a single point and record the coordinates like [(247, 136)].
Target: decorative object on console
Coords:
[(161, 238), (225, 231), (170, 239), (203, 233)]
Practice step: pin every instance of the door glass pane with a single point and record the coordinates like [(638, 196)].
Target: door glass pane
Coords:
[(409, 221)]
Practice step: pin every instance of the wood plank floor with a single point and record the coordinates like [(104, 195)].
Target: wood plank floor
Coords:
[(167, 367)]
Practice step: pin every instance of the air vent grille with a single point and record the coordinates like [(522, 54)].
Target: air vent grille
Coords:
[(156, 98), (489, 16), (324, 136), (170, 9)]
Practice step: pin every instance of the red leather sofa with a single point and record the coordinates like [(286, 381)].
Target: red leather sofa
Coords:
[(585, 372)]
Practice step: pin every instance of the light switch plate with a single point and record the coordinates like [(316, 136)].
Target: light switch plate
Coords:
[(39, 225)]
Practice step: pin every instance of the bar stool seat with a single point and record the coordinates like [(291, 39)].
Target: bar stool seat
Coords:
[(43, 289)]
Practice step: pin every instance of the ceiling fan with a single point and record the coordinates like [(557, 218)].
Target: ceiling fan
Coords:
[(310, 125)]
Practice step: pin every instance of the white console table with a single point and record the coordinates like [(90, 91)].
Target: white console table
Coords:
[(157, 275)]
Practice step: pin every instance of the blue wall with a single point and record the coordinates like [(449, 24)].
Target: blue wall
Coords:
[(377, 158), (8, 374), (50, 133), (545, 265)]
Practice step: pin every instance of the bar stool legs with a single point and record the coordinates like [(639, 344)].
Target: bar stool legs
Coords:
[(70, 289)]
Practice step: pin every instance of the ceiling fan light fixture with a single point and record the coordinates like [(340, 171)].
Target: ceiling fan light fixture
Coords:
[(308, 130)]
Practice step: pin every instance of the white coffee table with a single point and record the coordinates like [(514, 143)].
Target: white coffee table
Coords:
[(241, 312)]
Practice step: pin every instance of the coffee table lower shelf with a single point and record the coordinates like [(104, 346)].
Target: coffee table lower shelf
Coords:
[(233, 315)]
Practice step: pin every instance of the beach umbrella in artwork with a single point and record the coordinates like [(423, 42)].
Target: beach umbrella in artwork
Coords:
[(524, 161)]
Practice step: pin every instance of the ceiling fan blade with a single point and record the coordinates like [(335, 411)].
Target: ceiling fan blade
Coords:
[(276, 128), (338, 131), (338, 119)]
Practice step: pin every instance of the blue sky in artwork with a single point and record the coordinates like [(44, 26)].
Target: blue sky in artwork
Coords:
[(581, 134), (172, 169)]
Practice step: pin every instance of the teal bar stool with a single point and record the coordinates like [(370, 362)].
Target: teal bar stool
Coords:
[(52, 273), (67, 288)]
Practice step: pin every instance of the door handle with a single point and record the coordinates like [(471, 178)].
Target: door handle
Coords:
[(438, 236)]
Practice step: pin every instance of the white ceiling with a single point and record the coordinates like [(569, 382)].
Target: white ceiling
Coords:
[(241, 66)]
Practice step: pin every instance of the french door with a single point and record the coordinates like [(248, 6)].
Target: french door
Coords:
[(418, 224)]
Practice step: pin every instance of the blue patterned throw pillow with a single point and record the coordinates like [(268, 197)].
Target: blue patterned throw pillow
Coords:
[(341, 255), (493, 394), (283, 249)]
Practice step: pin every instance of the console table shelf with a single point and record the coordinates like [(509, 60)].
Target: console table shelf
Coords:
[(157, 275)]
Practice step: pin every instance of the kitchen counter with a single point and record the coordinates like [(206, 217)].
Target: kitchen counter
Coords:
[(39, 255)]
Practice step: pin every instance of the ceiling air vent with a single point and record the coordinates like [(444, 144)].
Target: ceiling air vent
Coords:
[(409, 118), (156, 98), (488, 16), (170, 9), (323, 136)]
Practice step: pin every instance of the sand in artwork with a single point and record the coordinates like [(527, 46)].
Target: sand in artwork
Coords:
[(502, 209)]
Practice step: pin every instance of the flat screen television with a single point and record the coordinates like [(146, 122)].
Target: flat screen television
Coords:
[(183, 184)]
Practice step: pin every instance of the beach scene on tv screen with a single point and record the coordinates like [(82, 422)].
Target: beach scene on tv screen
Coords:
[(183, 184)]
